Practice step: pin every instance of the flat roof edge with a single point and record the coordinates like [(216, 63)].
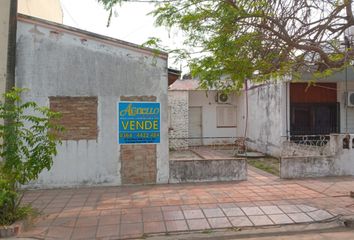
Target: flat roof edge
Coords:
[(91, 35)]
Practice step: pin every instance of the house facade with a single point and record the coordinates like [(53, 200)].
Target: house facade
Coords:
[(84, 76), (283, 110), (200, 117)]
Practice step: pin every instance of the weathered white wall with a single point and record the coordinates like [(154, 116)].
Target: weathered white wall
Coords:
[(51, 62), (346, 119), (267, 111), (337, 161), (206, 100), (178, 126), (344, 157)]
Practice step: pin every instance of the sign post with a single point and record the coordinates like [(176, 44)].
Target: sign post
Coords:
[(138, 122)]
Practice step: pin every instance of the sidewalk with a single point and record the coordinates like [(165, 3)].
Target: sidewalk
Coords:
[(138, 211)]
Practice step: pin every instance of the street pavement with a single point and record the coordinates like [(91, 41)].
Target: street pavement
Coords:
[(263, 201)]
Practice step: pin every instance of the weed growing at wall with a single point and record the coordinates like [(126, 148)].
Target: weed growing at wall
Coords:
[(28, 145)]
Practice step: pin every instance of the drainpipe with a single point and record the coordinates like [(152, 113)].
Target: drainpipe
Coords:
[(286, 111), (11, 47)]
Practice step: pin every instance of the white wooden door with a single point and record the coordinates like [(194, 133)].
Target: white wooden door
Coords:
[(195, 126)]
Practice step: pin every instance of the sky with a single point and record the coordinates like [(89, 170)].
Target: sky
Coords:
[(130, 22)]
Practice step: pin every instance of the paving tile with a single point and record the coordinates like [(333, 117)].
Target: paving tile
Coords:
[(289, 208), (271, 210), (173, 215), (306, 208), (152, 216), (252, 211), (151, 209), (170, 208), (131, 211), (320, 215), (84, 233), (261, 220), (131, 218), (130, 230), (300, 217), (176, 226), (64, 221), (219, 222), (233, 212), (280, 219), (89, 213), (240, 221), (198, 224), (59, 232), (87, 221), (154, 227), (109, 220), (190, 207), (227, 205), (108, 231), (193, 214), (213, 212)]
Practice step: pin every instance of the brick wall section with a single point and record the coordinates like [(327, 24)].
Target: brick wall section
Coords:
[(138, 162), (78, 117)]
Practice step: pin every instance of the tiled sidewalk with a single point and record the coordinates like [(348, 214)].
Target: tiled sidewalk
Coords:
[(126, 212)]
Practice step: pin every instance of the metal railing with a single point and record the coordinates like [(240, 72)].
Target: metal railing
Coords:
[(306, 145)]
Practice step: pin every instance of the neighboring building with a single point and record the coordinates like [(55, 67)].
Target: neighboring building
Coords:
[(274, 112), (83, 75), (45, 9), (284, 110), (200, 117)]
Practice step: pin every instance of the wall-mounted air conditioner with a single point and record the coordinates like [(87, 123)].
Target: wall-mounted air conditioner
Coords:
[(222, 98), (350, 100)]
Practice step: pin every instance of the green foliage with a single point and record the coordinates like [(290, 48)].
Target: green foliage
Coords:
[(28, 146), (233, 40)]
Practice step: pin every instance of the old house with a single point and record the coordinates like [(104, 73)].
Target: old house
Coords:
[(310, 127), (84, 76), (200, 117)]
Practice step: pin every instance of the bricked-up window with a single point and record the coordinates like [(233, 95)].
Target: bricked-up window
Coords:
[(226, 116), (78, 117)]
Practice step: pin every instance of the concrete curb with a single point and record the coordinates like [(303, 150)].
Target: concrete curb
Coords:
[(244, 233)]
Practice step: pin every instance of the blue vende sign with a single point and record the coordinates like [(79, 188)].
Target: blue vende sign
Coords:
[(138, 122)]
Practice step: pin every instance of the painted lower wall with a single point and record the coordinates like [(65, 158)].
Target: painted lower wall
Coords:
[(55, 63), (266, 121)]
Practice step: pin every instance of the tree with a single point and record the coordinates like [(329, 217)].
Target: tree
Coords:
[(242, 39), (28, 146)]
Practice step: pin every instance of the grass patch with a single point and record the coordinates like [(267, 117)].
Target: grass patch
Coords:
[(267, 164)]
